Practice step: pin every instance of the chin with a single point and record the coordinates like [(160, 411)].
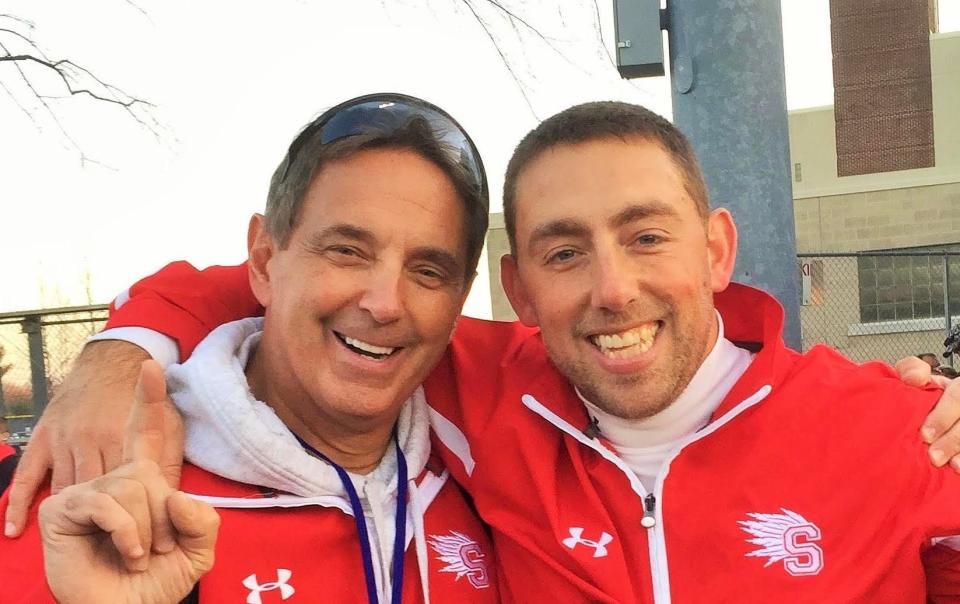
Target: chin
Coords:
[(652, 404)]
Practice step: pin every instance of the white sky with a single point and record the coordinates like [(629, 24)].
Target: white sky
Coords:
[(233, 82)]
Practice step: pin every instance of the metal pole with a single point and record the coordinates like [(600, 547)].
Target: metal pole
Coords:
[(38, 372), (729, 98), (946, 299)]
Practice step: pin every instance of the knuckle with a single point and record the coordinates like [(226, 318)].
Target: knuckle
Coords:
[(144, 467), (952, 439)]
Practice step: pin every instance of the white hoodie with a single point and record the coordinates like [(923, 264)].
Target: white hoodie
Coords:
[(232, 434)]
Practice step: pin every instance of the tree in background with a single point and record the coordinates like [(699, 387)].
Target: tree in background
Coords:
[(37, 81)]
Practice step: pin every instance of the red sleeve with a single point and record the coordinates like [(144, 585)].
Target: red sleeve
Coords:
[(21, 560), (186, 304), (464, 389)]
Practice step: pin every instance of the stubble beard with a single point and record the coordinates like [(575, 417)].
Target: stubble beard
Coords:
[(639, 396)]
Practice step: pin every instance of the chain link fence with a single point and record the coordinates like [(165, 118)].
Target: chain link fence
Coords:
[(880, 305), (38, 347)]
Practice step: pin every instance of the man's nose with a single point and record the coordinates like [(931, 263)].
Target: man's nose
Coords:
[(383, 296), (615, 285)]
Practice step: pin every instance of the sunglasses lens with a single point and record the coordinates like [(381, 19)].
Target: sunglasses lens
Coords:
[(387, 112)]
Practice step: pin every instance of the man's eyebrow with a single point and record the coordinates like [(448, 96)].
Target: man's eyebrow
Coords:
[(639, 211), (564, 227), (343, 229)]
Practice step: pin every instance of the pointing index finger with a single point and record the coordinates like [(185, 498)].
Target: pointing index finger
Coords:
[(143, 436)]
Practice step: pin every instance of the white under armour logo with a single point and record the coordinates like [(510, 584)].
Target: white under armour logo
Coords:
[(786, 537), (256, 588), (599, 546)]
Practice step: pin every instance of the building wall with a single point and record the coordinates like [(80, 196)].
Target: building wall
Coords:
[(497, 245), (832, 316), (891, 210), (813, 138)]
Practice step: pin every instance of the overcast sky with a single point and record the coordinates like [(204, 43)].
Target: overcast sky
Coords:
[(232, 82)]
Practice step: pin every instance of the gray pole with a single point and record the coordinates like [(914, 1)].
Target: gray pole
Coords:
[(38, 373), (729, 98), (946, 299)]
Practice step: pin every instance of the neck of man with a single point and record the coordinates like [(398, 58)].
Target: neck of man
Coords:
[(645, 444), (357, 444)]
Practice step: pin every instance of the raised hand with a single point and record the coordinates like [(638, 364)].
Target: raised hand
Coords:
[(80, 435), (128, 533)]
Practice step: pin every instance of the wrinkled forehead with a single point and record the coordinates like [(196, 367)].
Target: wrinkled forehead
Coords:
[(596, 181)]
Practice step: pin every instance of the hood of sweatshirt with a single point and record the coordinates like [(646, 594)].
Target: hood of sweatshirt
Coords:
[(232, 434)]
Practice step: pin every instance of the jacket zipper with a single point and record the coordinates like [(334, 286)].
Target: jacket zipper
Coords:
[(652, 514)]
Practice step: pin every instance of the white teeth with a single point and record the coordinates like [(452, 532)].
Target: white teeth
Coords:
[(628, 343), (366, 347)]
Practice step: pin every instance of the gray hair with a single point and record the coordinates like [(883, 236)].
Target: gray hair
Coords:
[(293, 176)]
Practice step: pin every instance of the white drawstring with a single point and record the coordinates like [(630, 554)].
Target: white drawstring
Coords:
[(373, 489), (420, 540)]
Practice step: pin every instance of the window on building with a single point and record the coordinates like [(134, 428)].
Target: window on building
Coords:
[(896, 288)]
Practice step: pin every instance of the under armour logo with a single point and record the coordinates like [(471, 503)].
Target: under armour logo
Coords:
[(599, 546), (256, 588)]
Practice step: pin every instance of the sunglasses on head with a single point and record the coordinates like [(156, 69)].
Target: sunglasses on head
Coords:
[(391, 110)]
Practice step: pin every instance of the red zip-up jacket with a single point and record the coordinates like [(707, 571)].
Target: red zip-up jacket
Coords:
[(273, 547), (810, 483)]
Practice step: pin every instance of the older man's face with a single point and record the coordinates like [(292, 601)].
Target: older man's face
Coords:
[(617, 266), (362, 302)]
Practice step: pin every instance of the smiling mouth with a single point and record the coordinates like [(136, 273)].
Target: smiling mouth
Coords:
[(627, 344), (371, 351)]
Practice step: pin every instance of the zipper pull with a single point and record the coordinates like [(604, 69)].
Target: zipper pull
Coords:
[(649, 506)]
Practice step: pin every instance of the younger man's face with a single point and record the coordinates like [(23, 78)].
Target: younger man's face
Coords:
[(617, 266)]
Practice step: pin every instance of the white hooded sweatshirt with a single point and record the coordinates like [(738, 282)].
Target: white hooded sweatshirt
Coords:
[(232, 434)]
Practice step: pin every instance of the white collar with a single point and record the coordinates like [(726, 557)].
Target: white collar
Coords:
[(232, 434), (715, 377)]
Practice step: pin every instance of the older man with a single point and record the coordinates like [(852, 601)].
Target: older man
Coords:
[(655, 441), (307, 429)]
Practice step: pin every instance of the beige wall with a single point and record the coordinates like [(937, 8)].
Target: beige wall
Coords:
[(877, 220), (497, 246), (890, 210)]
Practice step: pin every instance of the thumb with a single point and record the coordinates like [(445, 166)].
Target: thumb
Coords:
[(197, 524), (913, 371)]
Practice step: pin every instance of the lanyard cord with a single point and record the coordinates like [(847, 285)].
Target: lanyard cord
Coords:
[(400, 531)]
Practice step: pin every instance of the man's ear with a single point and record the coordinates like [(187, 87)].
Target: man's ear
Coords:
[(721, 248), (260, 249), (516, 291)]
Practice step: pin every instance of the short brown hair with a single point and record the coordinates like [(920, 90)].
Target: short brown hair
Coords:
[(293, 176), (599, 120)]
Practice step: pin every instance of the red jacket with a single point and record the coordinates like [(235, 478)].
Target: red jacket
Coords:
[(810, 484), (311, 549)]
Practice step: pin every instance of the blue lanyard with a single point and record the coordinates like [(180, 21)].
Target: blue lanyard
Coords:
[(400, 531)]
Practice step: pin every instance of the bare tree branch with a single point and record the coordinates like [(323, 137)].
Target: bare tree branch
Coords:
[(17, 102), (138, 7), (599, 28), (77, 80), (53, 115), (57, 68), (506, 63)]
